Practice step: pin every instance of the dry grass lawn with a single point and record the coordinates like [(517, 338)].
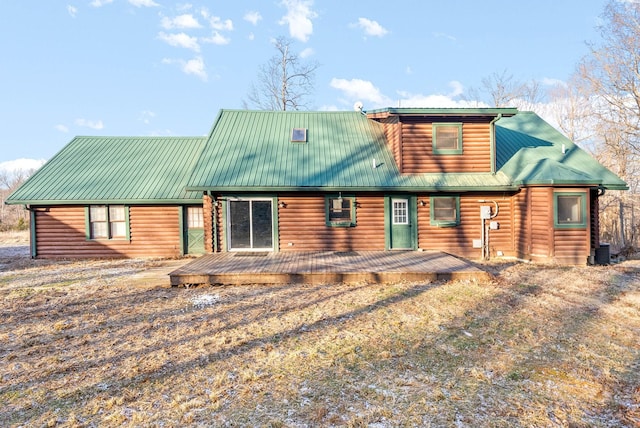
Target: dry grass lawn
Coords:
[(109, 343)]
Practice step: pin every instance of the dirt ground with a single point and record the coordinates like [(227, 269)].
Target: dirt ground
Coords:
[(110, 343)]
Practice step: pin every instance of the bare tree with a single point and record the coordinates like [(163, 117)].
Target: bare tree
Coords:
[(502, 90), (610, 80), (12, 216), (285, 82), (612, 71)]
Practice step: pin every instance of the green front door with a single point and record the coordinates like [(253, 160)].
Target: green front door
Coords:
[(401, 230), (194, 233)]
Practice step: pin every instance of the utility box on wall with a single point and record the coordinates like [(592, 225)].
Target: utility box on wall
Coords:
[(485, 212)]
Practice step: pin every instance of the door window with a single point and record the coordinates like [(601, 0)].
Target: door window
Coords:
[(400, 211)]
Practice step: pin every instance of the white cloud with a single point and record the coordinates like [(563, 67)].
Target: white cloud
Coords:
[(306, 53), (360, 90), (143, 3), (458, 89), (216, 22), (21, 164), (547, 81), (73, 11), (407, 99), (100, 3), (61, 128), (180, 40), (408, 70), (371, 28), (366, 92), (194, 66), (146, 116), (182, 7), (93, 124), (444, 36), (217, 39), (180, 21), (252, 17), (251, 36), (298, 18)]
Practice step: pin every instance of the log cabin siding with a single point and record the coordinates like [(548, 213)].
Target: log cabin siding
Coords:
[(392, 132), (417, 149), (458, 240), (571, 246), (540, 207), (207, 217), (154, 232), (302, 225)]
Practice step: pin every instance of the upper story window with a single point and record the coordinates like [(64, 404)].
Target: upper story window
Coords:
[(340, 211), (570, 210), (445, 211), (447, 138), (107, 222)]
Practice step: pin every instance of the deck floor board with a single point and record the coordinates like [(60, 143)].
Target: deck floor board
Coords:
[(324, 267)]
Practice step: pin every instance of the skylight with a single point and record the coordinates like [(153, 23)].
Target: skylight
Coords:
[(299, 135)]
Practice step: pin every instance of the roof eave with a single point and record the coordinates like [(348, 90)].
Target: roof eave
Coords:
[(51, 202), (434, 188)]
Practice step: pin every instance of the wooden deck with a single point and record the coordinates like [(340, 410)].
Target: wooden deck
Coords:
[(324, 267)]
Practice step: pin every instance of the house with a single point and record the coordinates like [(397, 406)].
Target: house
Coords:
[(477, 183)]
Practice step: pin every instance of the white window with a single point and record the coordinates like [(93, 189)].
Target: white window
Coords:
[(107, 221)]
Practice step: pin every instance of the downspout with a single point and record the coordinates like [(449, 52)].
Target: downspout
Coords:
[(492, 130)]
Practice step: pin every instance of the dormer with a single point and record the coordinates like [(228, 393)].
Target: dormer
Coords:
[(429, 140)]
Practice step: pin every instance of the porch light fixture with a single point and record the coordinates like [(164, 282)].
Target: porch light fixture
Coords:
[(423, 203), (282, 204)]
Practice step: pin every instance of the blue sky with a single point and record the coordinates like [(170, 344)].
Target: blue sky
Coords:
[(165, 67)]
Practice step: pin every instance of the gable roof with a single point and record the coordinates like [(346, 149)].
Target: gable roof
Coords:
[(532, 152), (252, 150), (115, 170)]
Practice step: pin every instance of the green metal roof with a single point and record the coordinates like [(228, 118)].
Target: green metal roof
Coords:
[(115, 170), (532, 152), (252, 150)]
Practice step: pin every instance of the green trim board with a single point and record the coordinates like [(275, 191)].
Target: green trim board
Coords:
[(33, 243), (419, 111)]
